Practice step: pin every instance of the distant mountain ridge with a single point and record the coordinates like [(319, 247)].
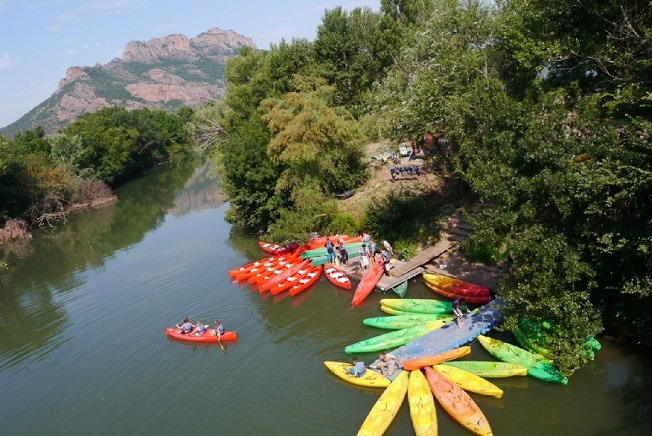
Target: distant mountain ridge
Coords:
[(162, 73)]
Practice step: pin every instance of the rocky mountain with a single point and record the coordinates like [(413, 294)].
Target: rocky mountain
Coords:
[(164, 73)]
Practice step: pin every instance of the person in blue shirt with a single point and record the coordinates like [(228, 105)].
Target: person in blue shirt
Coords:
[(358, 368), (186, 327), (200, 328), (330, 250), (219, 330)]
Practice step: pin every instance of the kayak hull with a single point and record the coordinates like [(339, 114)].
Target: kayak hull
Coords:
[(337, 277), (304, 283), (535, 365), (207, 338), (469, 382), (422, 405), (413, 305), (435, 359), (457, 403), (368, 283), (384, 411), (404, 321), (490, 369)]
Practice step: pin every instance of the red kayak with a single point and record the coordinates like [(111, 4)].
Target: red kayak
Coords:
[(234, 272), (337, 277), (472, 299), (290, 281), (206, 338), (245, 275), (310, 279), (290, 268), (368, 283)]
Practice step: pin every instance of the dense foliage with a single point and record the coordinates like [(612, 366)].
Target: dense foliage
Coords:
[(545, 111), (41, 177)]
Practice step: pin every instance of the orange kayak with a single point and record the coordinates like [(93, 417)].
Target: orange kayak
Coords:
[(283, 273), (457, 403), (256, 269), (337, 277), (310, 279), (368, 283), (435, 359), (290, 281), (234, 272), (206, 338)]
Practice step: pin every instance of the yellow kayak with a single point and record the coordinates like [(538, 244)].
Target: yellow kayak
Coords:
[(370, 378), (386, 408), (392, 311), (422, 405), (457, 403), (469, 382)]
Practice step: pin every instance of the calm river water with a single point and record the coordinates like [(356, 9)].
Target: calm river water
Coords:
[(82, 347)]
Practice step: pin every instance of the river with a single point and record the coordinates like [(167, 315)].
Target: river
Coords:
[(82, 347)]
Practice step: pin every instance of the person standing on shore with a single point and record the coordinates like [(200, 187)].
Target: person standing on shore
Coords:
[(364, 259)]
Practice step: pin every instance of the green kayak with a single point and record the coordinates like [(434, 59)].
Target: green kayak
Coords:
[(418, 305), (321, 251), (322, 260), (489, 369), (392, 339), (400, 289), (393, 311), (536, 366), (405, 321)]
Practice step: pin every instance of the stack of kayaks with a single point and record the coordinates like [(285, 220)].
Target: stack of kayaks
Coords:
[(453, 288), (536, 366), (206, 338), (489, 369), (368, 283), (393, 339), (398, 322), (414, 305)]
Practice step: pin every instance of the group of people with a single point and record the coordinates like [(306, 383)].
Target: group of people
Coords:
[(388, 364), (337, 252), (370, 253), (198, 328), (399, 171)]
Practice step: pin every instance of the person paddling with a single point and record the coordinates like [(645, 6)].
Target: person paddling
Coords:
[(186, 327), (219, 330)]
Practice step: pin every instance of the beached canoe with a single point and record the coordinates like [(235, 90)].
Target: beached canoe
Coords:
[(469, 381), (206, 338), (456, 286), (418, 305), (422, 362), (368, 283), (383, 412), (392, 339), (489, 369), (422, 405), (471, 299), (457, 403), (404, 321), (536, 366), (337, 277), (307, 281), (370, 378)]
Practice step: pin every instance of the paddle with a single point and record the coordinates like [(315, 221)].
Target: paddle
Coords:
[(219, 338)]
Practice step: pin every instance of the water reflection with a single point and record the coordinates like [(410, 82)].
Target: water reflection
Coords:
[(51, 265)]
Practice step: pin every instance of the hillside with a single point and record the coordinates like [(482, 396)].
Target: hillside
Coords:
[(163, 73)]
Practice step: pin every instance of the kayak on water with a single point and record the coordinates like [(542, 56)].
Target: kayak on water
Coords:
[(368, 283), (337, 277), (206, 338)]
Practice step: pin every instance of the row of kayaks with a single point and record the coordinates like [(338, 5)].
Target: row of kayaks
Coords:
[(443, 379)]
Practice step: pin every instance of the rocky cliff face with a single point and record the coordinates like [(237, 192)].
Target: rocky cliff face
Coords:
[(164, 73)]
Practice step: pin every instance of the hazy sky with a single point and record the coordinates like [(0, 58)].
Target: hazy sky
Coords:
[(42, 38)]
